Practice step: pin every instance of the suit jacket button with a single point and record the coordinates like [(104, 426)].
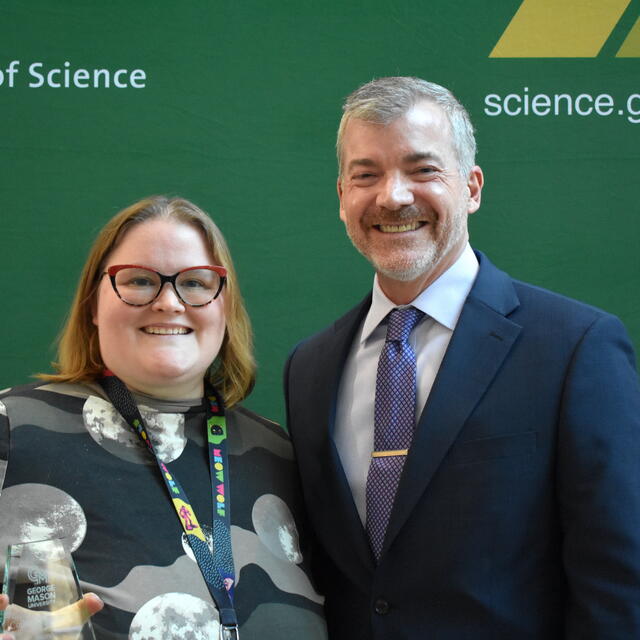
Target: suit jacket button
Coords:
[(381, 607)]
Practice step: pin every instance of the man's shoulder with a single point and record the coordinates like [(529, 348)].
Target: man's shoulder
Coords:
[(556, 308), (530, 292), (530, 299)]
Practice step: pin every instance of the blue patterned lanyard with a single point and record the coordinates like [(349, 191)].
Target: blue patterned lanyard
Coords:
[(217, 570)]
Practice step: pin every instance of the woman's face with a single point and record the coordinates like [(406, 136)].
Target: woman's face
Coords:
[(164, 348)]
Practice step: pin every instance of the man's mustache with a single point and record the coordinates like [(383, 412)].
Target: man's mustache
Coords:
[(409, 213)]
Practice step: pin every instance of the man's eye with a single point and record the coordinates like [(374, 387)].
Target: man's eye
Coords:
[(364, 176), (425, 170)]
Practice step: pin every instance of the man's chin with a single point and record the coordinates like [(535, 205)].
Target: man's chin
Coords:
[(403, 272)]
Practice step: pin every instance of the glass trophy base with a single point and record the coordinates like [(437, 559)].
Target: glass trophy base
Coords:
[(41, 582)]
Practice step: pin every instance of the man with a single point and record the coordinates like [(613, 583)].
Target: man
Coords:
[(515, 509)]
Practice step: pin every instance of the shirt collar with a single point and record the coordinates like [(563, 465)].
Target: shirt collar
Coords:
[(442, 300)]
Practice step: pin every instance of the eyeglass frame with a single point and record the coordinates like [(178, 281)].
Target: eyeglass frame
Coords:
[(113, 270)]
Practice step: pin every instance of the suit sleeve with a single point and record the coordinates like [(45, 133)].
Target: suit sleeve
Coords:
[(598, 481)]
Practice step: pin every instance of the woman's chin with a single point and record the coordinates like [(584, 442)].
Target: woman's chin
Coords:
[(172, 381)]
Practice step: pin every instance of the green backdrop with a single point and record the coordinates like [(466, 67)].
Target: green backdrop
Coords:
[(238, 113)]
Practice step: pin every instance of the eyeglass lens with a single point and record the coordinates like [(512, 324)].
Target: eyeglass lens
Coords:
[(141, 286)]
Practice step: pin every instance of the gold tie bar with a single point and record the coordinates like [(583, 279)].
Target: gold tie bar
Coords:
[(385, 454)]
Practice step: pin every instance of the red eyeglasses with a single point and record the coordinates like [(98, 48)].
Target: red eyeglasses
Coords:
[(138, 286)]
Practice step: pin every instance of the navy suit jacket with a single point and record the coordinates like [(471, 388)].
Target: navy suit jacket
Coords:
[(518, 511)]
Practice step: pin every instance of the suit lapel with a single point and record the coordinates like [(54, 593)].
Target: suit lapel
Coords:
[(339, 525), (482, 339)]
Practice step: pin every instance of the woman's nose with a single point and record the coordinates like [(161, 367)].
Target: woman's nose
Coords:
[(167, 299)]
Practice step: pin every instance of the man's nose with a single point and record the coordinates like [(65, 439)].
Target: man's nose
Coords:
[(396, 193), (167, 299)]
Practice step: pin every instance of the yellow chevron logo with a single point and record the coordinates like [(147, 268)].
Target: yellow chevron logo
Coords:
[(565, 29)]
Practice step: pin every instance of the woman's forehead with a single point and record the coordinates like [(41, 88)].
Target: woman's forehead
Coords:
[(164, 240)]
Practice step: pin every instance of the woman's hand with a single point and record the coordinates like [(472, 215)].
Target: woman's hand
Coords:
[(36, 625)]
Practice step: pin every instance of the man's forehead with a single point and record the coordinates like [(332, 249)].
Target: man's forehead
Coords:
[(422, 130), (418, 109), (424, 115)]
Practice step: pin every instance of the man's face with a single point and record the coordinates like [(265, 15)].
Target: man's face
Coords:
[(402, 199)]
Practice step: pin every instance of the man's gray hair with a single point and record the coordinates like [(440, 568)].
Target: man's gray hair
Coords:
[(384, 100)]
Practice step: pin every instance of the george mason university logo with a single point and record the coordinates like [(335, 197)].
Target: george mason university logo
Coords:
[(566, 29)]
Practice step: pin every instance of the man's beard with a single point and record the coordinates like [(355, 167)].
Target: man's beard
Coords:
[(413, 266)]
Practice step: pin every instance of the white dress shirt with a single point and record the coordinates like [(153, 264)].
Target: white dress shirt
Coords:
[(442, 304)]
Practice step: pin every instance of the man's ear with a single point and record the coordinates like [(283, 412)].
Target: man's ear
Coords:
[(340, 194), (475, 183)]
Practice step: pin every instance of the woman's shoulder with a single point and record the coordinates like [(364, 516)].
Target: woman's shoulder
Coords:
[(28, 401), (50, 408), (42, 390), (250, 429), (247, 418), (20, 390)]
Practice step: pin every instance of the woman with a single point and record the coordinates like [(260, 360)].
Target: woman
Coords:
[(128, 453)]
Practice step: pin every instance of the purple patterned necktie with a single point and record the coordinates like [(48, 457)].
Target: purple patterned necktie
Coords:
[(395, 418)]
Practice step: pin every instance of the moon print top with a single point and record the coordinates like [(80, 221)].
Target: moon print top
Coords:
[(71, 468)]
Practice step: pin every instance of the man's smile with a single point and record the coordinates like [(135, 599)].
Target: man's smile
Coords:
[(400, 228)]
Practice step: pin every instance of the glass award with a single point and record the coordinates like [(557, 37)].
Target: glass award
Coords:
[(41, 582)]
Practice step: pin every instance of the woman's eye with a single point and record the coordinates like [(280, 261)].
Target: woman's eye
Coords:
[(194, 284), (140, 282)]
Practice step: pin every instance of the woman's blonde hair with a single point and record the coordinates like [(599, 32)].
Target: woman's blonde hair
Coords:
[(79, 359)]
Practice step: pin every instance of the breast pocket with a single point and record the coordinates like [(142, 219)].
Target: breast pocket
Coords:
[(494, 448)]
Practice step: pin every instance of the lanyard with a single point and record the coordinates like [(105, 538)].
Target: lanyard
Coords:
[(217, 570)]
